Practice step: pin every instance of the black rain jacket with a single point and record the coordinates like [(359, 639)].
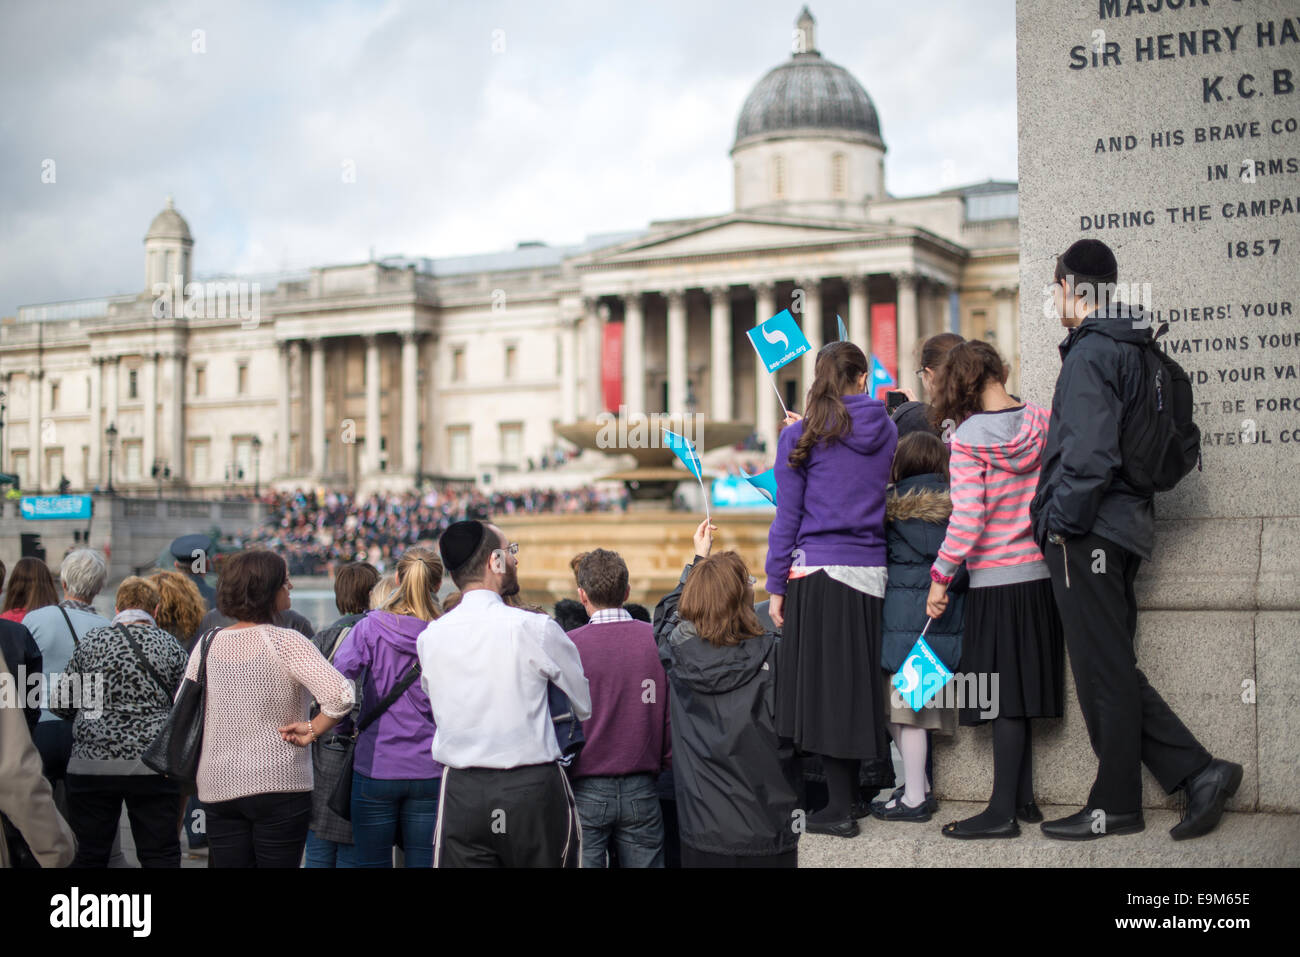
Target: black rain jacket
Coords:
[(1080, 489), (736, 782)]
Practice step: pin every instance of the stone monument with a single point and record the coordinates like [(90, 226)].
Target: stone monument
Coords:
[(1170, 129)]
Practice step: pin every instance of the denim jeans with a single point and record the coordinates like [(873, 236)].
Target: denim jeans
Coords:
[(380, 807), (626, 809), (323, 853)]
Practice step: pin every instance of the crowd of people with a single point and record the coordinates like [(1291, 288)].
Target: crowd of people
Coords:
[(319, 532), (482, 731)]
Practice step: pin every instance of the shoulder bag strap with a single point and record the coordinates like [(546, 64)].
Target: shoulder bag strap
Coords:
[(75, 640), (398, 690), (343, 633), (144, 661)]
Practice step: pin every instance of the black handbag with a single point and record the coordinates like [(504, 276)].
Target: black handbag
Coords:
[(174, 753), (340, 801)]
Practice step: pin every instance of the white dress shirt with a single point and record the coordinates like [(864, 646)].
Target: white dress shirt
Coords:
[(486, 667)]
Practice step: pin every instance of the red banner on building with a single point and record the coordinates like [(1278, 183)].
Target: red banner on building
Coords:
[(884, 339), (611, 366)]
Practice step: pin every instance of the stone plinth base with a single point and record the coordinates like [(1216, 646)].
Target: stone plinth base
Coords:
[(1241, 840)]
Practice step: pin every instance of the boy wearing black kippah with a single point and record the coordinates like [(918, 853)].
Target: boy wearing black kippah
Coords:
[(1085, 506), (487, 668)]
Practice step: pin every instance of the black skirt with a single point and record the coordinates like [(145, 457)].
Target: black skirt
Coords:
[(1013, 631), (828, 689)]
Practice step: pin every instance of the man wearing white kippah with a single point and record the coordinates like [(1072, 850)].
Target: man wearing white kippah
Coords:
[(486, 667)]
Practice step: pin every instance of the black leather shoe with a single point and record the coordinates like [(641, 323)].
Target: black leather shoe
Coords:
[(1207, 793), (931, 802), (962, 830), (860, 809), (845, 828), (1029, 813), (1090, 823), (900, 811)]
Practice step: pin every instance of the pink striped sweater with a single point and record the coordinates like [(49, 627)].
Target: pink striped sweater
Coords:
[(995, 461)]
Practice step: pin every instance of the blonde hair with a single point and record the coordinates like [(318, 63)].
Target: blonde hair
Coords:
[(382, 590), (419, 576), (139, 593), (181, 604)]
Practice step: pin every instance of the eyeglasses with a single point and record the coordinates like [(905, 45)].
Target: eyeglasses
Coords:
[(753, 580), (513, 548)]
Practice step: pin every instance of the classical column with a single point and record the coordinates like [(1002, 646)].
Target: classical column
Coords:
[(96, 422), (859, 312), (569, 369), (111, 387), (296, 385), (593, 323), (174, 415), (634, 353), (720, 355), (907, 329), (811, 323), (939, 308), (410, 400), (677, 374), (1005, 330), (149, 448), (35, 467), (372, 404), (767, 416), (283, 414), (314, 420)]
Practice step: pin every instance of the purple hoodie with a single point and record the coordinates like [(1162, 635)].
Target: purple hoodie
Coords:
[(399, 745), (833, 508)]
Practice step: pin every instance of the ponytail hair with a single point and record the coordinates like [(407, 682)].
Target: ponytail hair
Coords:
[(826, 419), (419, 576), (960, 380)]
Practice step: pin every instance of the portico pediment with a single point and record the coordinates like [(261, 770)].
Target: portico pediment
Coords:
[(736, 233)]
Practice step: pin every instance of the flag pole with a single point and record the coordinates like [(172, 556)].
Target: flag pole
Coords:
[(778, 393)]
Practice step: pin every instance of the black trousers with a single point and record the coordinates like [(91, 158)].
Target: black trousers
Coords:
[(512, 817), (95, 810), (693, 858), (261, 830), (1128, 722)]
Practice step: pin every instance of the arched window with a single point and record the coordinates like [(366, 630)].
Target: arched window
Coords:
[(839, 174), (778, 177)]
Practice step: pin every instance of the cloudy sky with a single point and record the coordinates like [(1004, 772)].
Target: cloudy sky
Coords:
[(470, 125)]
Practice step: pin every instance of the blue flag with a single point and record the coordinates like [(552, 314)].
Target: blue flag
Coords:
[(879, 376), (922, 676), (778, 341), (844, 333), (765, 482), (685, 451)]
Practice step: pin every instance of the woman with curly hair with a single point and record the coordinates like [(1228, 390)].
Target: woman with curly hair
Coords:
[(181, 608)]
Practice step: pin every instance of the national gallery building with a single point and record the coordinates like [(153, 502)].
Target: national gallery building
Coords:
[(380, 374)]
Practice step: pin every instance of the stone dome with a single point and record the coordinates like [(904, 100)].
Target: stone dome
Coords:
[(169, 224), (808, 94)]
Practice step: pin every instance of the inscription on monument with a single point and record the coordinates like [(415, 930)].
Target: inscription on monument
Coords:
[(1170, 129)]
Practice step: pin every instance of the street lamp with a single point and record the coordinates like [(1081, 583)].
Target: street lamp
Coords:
[(257, 472), (3, 397), (161, 470), (110, 433)]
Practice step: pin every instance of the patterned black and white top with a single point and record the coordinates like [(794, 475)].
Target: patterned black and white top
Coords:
[(118, 706)]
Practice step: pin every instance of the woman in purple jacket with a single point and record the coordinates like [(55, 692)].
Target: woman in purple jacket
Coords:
[(826, 576), (395, 780)]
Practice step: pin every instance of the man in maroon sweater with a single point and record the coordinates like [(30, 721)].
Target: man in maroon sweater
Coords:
[(627, 737)]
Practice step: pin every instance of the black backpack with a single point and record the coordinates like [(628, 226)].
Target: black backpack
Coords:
[(1160, 443)]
